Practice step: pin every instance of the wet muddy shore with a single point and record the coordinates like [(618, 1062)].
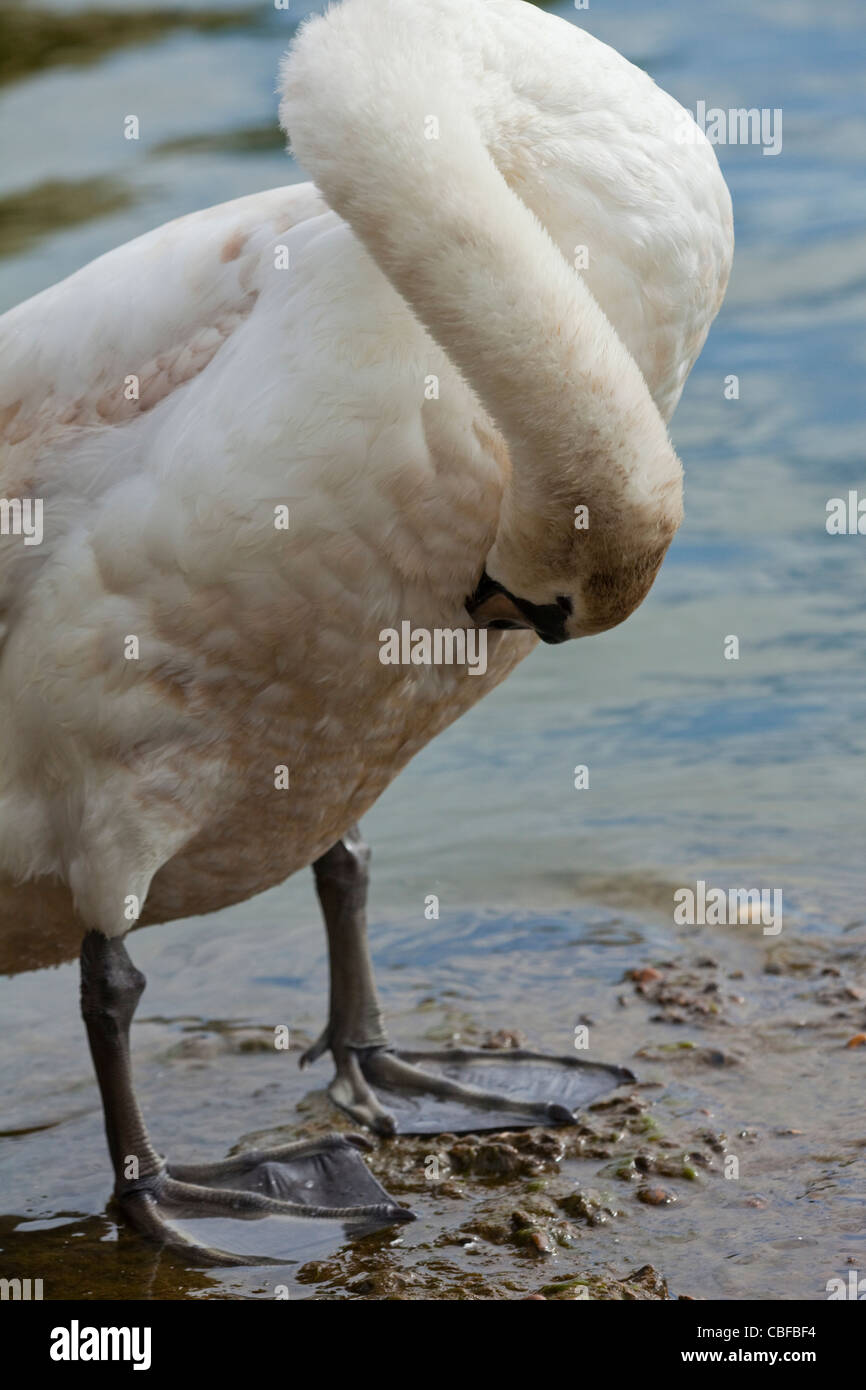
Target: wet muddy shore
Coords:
[(731, 1168)]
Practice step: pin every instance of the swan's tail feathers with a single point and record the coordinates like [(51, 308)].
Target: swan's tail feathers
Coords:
[(391, 107)]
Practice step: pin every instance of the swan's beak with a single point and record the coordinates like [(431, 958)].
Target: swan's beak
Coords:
[(493, 606)]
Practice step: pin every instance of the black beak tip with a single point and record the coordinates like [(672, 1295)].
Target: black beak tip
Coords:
[(548, 619)]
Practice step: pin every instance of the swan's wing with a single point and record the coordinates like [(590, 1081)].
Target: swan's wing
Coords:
[(99, 350), (157, 308)]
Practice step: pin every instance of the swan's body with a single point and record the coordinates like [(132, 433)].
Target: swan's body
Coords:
[(302, 386), (258, 647), (432, 389)]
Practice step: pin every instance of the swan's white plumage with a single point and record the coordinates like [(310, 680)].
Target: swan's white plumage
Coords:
[(262, 386)]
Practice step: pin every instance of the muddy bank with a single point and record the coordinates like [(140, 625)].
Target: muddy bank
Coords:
[(732, 1168)]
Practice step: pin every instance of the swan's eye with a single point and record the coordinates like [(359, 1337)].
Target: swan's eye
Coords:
[(565, 604)]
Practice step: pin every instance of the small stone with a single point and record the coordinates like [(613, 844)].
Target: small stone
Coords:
[(535, 1240), (504, 1040), (656, 1197), (714, 1058), (497, 1160), (649, 1280)]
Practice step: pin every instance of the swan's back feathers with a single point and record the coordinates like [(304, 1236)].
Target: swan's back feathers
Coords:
[(85, 364), (158, 308)]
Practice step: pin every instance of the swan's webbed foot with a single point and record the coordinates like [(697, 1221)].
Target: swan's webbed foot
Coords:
[(466, 1089), (350, 1090), (308, 1179), (425, 1092), (322, 1178)]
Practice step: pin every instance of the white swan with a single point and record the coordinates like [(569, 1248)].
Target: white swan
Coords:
[(169, 645)]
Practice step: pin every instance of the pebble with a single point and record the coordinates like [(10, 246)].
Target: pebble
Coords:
[(504, 1040), (656, 1197)]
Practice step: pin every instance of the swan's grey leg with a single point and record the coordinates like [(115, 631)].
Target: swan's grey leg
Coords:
[(532, 1089), (111, 987), (355, 1024), (260, 1183)]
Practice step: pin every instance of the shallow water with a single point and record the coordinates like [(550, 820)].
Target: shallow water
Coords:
[(741, 773)]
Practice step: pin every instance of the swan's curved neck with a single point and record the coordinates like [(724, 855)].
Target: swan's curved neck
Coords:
[(387, 128)]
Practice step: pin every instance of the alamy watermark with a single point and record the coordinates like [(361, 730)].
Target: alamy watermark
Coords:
[(438, 646), (702, 906), (22, 516), (739, 125), (846, 516), (77, 1343), (21, 1289), (853, 1288)]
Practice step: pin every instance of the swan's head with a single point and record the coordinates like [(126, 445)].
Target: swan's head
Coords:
[(564, 582)]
